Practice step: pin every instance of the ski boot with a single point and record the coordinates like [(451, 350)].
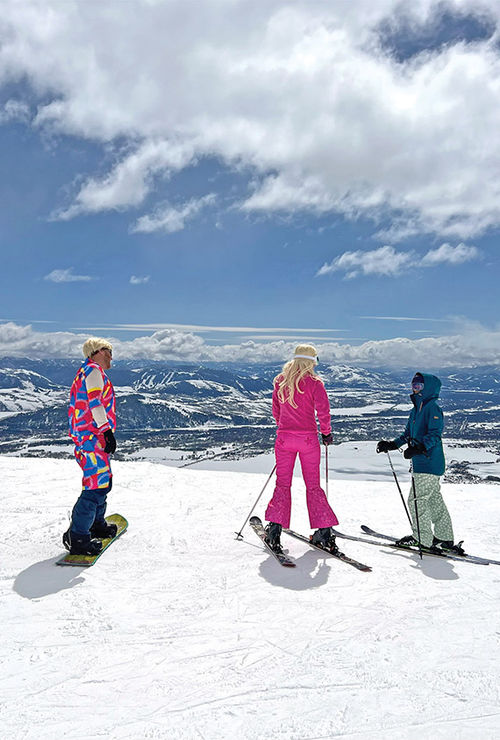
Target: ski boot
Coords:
[(273, 534), (326, 539), (448, 546), (408, 541), (81, 544), (103, 530), (411, 541)]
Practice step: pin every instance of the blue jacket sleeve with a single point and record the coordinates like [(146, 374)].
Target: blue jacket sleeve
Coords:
[(405, 437)]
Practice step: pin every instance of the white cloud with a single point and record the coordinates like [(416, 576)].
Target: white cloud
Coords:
[(453, 255), (387, 261), (299, 93), (130, 181), (202, 328), (474, 346), (66, 276), (136, 280), (14, 110), (405, 318), (170, 219), (384, 261)]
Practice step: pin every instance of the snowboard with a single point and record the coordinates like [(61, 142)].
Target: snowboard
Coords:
[(85, 561)]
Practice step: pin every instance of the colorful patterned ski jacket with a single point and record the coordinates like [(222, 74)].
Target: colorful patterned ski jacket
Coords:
[(425, 425), (82, 425), (311, 401)]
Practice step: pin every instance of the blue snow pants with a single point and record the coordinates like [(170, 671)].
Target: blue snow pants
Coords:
[(90, 508)]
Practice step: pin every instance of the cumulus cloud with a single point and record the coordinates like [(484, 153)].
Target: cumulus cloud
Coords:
[(130, 181), (170, 219), (453, 255), (387, 261), (66, 276), (474, 346), (302, 95), (136, 280), (383, 261)]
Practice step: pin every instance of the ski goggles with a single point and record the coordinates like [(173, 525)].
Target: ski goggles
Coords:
[(417, 387)]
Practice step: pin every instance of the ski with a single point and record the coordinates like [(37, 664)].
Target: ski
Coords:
[(259, 530), (471, 558), (339, 555), (392, 540)]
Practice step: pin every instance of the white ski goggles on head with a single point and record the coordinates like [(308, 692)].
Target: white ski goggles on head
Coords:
[(314, 358)]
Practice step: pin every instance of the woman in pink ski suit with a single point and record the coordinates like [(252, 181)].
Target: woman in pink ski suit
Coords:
[(298, 396)]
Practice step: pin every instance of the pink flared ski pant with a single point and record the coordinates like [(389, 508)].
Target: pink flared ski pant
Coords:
[(306, 445)]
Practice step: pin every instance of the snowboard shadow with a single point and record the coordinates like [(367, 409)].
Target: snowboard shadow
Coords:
[(44, 578)]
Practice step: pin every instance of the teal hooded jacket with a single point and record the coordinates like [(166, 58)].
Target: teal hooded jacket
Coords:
[(425, 425)]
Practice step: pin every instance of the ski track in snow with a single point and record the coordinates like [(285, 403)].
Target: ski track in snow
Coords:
[(180, 631)]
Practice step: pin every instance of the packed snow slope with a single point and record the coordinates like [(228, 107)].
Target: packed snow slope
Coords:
[(180, 631)]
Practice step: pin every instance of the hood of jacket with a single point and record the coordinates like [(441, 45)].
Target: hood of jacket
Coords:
[(432, 386)]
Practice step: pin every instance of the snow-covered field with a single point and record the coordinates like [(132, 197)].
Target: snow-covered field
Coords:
[(180, 631), (349, 460)]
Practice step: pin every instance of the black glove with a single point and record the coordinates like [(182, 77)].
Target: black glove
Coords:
[(384, 446), (327, 438), (110, 441), (417, 448)]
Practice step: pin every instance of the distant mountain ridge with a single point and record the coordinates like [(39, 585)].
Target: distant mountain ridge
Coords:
[(196, 407)]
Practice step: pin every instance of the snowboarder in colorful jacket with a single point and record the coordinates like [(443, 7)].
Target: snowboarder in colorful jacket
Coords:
[(92, 423), (298, 396), (425, 450)]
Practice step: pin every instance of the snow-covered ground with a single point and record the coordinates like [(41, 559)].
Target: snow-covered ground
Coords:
[(180, 631), (348, 460)]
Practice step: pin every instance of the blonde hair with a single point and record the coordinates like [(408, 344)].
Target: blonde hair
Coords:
[(293, 372), (94, 344)]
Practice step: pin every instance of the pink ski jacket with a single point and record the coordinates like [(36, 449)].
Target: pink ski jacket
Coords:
[(312, 401)]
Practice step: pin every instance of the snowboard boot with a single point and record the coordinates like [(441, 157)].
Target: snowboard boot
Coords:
[(273, 534), (81, 544), (103, 530), (448, 546), (325, 538)]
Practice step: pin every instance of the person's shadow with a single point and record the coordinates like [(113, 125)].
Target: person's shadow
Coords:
[(307, 574), (440, 569), (44, 578)]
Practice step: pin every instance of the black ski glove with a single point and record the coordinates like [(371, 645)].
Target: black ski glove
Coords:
[(110, 441), (327, 439), (417, 448), (384, 446)]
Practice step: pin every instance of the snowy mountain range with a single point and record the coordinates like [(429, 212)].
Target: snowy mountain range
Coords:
[(206, 410)]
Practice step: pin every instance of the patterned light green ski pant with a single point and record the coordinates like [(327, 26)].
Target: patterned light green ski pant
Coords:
[(432, 511)]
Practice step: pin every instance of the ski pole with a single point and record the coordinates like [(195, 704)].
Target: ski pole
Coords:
[(399, 489), (416, 509), (239, 536), (326, 470)]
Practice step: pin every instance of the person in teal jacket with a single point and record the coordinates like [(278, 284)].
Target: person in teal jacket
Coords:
[(425, 450)]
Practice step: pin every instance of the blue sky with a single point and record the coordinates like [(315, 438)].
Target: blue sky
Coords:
[(272, 174)]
